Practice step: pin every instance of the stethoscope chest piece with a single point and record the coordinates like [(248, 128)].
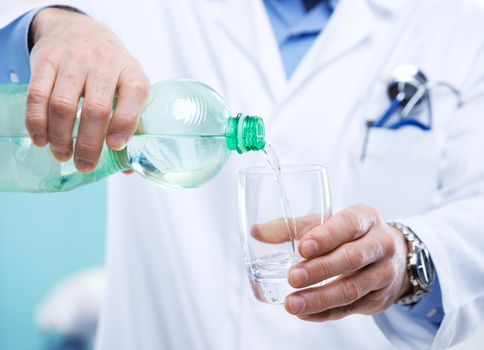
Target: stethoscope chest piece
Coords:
[(406, 81)]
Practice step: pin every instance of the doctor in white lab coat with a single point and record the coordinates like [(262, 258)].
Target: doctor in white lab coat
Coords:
[(176, 278)]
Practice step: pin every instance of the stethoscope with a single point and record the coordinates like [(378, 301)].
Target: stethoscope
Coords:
[(409, 92)]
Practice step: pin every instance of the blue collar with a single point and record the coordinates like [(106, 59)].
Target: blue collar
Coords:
[(293, 20)]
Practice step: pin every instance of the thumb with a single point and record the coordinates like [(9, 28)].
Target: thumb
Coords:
[(276, 231)]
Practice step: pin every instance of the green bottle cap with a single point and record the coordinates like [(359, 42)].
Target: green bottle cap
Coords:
[(245, 133)]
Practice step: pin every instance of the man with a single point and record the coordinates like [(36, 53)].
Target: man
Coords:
[(313, 70)]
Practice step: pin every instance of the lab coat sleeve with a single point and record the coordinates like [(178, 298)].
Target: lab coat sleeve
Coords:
[(453, 231)]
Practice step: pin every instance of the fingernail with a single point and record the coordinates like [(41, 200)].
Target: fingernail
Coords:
[(309, 248), (298, 276), (117, 140), (39, 139), (82, 164), (296, 304)]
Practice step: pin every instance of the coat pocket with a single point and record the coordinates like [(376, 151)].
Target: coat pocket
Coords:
[(401, 168)]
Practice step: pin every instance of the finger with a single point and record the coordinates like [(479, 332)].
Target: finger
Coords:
[(365, 306), (348, 258), (346, 226), (342, 291), (133, 93), (38, 96), (96, 111), (276, 231), (63, 109), (128, 172)]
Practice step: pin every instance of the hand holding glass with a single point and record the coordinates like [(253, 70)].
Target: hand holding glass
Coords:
[(265, 237)]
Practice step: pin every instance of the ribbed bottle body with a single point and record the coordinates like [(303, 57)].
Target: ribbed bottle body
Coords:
[(182, 141)]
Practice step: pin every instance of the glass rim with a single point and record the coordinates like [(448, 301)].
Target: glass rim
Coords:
[(285, 169)]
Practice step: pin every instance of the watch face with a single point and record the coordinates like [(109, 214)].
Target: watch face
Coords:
[(424, 269)]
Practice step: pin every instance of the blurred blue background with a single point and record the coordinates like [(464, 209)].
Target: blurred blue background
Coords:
[(43, 239)]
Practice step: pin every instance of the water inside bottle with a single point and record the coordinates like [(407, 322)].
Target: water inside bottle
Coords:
[(176, 161)]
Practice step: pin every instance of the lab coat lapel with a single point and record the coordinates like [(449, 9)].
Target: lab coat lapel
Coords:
[(327, 52), (246, 24), (352, 22), (351, 25)]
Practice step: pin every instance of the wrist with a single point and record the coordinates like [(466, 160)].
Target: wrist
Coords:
[(420, 271), (406, 286), (47, 17)]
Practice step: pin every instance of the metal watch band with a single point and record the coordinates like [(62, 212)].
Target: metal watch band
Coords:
[(415, 245)]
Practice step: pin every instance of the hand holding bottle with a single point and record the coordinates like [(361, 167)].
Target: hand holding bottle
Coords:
[(185, 135), (74, 56)]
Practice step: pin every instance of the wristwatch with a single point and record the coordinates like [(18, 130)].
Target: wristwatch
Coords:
[(420, 267)]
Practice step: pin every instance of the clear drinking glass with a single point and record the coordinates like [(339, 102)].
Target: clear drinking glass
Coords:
[(265, 238)]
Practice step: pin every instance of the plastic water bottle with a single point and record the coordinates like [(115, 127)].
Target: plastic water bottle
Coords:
[(184, 138)]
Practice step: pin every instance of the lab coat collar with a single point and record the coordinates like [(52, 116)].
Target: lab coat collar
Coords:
[(246, 23), (352, 22), (391, 7)]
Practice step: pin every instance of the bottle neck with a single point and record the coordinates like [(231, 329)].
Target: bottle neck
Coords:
[(245, 133)]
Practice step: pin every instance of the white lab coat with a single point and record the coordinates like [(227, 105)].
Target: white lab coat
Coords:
[(176, 278)]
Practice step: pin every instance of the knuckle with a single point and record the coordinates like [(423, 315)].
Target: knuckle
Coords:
[(104, 85), (326, 236), (321, 268), (59, 139), (351, 290), (125, 123), (37, 95), (97, 111), (319, 301), (354, 258), (35, 121), (352, 221), (76, 60), (35, 125), (87, 149), (44, 57), (139, 88), (72, 78), (63, 105), (102, 53), (327, 231), (365, 283), (372, 213), (379, 249)]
